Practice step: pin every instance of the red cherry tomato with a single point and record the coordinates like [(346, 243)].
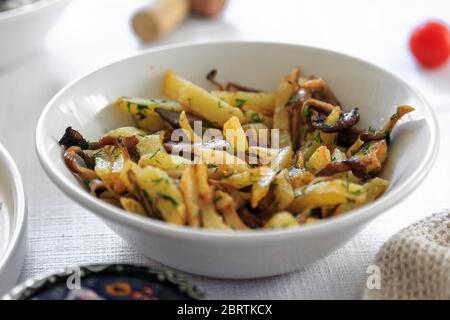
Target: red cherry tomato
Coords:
[(430, 44)]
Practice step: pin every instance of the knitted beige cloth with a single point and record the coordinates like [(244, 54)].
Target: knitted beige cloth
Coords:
[(415, 263)]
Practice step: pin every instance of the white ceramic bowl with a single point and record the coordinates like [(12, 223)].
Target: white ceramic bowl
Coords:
[(13, 218), (84, 106), (23, 29)]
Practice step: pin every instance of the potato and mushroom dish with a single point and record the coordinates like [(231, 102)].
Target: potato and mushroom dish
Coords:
[(236, 158)]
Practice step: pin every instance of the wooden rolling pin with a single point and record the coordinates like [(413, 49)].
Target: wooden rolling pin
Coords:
[(165, 15)]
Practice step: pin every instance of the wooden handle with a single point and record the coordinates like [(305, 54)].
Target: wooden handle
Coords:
[(152, 23)]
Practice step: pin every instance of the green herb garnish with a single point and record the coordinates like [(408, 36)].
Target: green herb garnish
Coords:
[(256, 118), (166, 197), (240, 103), (295, 98), (155, 153)]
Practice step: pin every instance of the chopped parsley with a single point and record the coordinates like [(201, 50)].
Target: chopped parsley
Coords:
[(168, 198), (295, 98), (240, 103), (142, 111), (155, 153), (357, 193), (306, 113), (317, 138), (158, 181), (365, 149), (256, 118)]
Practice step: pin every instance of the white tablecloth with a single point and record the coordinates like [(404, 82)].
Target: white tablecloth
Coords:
[(93, 33)]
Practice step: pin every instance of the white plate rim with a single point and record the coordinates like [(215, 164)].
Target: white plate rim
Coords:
[(167, 230), (18, 232)]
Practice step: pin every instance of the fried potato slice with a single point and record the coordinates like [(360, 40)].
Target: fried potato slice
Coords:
[(163, 193), (225, 162), (205, 191), (283, 191), (235, 135), (372, 155), (143, 111), (150, 144), (123, 175), (300, 177), (244, 179), (260, 102), (338, 155), (327, 193), (374, 189), (132, 206), (280, 160), (198, 101), (109, 162), (281, 119), (210, 218), (282, 220), (126, 132), (190, 194), (225, 205), (164, 161), (319, 159), (262, 186)]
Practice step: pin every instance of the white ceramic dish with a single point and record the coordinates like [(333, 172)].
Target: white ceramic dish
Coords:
[(13, 218), (23, 29), (84, 106)]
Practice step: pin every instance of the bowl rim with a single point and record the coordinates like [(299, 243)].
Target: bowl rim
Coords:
[(109, 212), (28, 8), (20, 211)]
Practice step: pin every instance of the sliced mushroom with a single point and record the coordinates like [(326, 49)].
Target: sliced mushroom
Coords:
[(369, 159), (101, 190), (73, 138), (128, 142), (230, 86), (348, 137), (173, 118), (142, 197), (385, 131), (319, 106), (321, 86), (353, 165), (250, 219), (295, 107), (70, 158), (347, 120)]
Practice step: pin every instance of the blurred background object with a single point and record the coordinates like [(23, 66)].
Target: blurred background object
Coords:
[(165, 15), (13, 4), (24, 25), (430, 44)]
